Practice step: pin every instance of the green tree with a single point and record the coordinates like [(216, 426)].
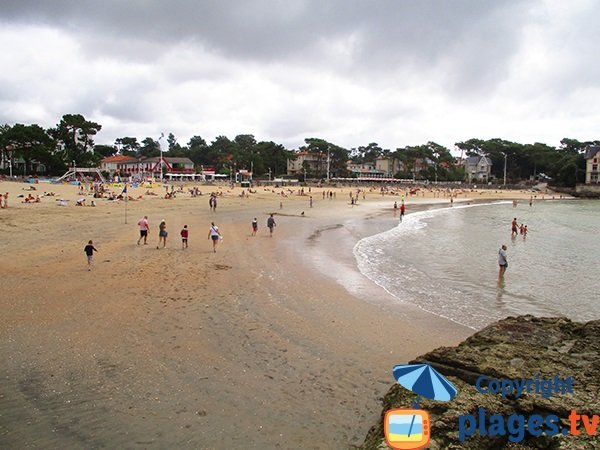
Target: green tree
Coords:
[(271, 156), (149, 148), (31, 142), (338, 157), (128, 146), (199, 151), (222, 154), (367, 154), (74, 136), (104, 151)]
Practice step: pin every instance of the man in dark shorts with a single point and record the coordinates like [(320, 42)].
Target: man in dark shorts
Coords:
[(144, 226), (502, 262), (515, 227)]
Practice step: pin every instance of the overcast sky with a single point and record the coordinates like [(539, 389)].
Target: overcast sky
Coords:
[(395, 72)]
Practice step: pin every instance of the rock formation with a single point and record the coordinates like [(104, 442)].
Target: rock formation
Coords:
[(513, 348)]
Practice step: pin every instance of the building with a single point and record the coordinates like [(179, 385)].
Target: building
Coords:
[(114, 164), (389, 166), (314, 163), (592, 161), (149, 167), (478, 169), (364, 170)]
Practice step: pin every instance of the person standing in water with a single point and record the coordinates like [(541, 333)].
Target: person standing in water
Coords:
[(502, 262), (514, 227)]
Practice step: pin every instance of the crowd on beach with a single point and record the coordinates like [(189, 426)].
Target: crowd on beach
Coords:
[(99, 190)]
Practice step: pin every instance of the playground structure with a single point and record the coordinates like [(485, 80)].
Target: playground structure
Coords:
[(74, 171)]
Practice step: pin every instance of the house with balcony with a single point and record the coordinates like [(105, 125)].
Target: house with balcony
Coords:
[(314, 163), (140, 168), (112, 164), (365, 170)]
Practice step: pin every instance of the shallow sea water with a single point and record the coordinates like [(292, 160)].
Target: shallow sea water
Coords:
[(444, 260)]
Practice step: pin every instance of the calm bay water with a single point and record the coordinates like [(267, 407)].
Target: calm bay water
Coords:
[(445, 261)]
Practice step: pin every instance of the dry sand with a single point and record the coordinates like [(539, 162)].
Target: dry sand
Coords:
[(268, 343)]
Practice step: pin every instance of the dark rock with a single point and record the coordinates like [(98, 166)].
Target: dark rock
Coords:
[(523, 347)]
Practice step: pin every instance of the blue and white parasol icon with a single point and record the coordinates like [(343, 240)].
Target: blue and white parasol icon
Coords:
[(425, 381)]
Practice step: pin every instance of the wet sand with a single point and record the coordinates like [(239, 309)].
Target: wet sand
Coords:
[(268, 343)]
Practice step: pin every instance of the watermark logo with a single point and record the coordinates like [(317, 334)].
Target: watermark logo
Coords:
[(406, 429), (409, 429)]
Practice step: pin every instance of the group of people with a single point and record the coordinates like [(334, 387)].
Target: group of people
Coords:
[(31, 199), (516, 229), (213, 233), (144, 226)]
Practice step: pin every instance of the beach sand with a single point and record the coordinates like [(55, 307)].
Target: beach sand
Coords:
[(272, 342)]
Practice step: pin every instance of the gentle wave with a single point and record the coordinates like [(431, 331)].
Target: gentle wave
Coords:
[(443, 261)]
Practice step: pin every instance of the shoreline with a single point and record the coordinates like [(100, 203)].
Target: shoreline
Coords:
[(256, 345)]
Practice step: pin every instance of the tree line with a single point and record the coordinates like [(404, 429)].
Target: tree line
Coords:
[(71, 142)]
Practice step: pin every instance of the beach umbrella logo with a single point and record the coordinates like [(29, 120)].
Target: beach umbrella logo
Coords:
[(409, 429), (425, 381)]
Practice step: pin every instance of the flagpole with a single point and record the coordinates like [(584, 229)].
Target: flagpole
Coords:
[(126, 200)]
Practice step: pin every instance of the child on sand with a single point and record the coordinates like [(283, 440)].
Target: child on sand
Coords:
[(89, 251), (254, 227), (184, 237)]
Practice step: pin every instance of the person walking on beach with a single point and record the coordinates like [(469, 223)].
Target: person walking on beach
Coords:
[(254, 227), (162, 233), (89, 250), (144, 227), (184, 237), (271, 224), (514, 227), (215, 235), (502, 262), (212, 202), (402, 210)]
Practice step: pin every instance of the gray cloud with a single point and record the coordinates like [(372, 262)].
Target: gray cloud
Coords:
[(345, 69)]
